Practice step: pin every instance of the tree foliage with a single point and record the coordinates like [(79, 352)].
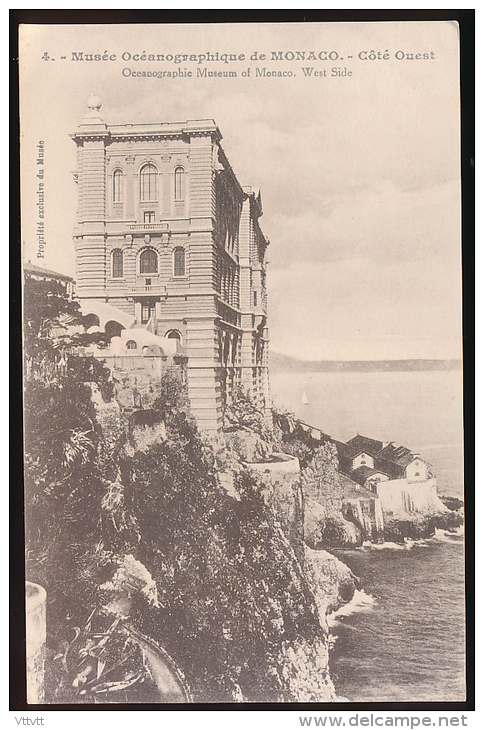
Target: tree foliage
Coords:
[(230, 593), (53, 322), (174, 397), (242, 413), (227, 581), (47, 305), (64, 465)]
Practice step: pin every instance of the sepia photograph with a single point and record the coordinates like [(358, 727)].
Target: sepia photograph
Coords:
[(242, 363)]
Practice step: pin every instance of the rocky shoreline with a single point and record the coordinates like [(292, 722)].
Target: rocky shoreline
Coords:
[(333, 582), (350, 533), (421, 526)]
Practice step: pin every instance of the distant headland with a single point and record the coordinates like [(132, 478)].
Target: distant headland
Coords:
[(284, 363)]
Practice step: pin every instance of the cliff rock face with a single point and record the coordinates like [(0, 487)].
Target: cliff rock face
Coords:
[(282, 492), (327, 528), (140, 381), (241, 602), (420, 526), (305, 671), (236, 611), (332, 582), (303, 663), (366, 512)]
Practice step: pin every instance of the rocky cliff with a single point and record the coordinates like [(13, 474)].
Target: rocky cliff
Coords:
[(235, 598)]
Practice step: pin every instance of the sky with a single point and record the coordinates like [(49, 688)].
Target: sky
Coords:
[(359, 174)]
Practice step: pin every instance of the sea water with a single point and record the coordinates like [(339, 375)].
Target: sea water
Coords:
[(402, 638)]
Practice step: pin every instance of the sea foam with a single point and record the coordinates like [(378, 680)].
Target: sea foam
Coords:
[(448, 535), (385, 546), (361, 601)]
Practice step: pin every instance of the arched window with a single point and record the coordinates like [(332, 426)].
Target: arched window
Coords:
[(90, 320), (113, 329), (173, 335), (148, 262), (179, 261), (117, 186), (179, 183), (147, 182), (117, 264), (131, 345)]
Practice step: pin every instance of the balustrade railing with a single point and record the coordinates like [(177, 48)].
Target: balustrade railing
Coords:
[(149, 227)]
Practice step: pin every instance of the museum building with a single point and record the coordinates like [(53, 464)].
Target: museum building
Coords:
[(170, 255)]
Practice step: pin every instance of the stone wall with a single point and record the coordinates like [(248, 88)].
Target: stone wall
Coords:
[(401, 496), (138, 380), (368, 514)]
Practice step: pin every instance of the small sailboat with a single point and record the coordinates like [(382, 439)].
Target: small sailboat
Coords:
[(304, 399)]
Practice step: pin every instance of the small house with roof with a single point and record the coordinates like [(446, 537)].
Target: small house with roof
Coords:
[(359, 452), (400, 478)]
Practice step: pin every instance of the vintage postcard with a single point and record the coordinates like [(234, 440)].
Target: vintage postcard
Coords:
[(243, 363)]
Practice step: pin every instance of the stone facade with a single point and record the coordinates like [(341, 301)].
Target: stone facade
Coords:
[(167, 238)]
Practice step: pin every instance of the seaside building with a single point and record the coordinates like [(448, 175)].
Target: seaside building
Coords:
[(401, 479), (171, 257)]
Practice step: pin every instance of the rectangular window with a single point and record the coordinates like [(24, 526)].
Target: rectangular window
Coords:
[(149, 216), (117, 264), (147, 311), (179, 262), (255, 299)]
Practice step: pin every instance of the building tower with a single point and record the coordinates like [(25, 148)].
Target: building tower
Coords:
[(169, 248)]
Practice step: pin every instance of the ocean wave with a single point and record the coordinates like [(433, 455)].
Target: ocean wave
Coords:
[(420, 542), (441, 535), (448, 535), (385, 546), (361, 601)]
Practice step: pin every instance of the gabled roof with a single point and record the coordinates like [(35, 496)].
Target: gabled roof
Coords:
[(361, 474), (397, 454), (389, 459), (368, 445), (390, 453), (348, 451), (345, 455), (342, 448), (40, 271)]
